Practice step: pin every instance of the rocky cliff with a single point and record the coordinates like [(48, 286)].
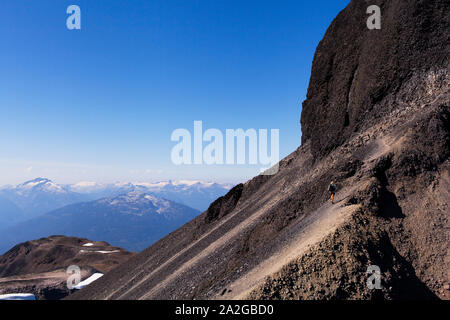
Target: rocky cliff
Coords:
[(354, 68)]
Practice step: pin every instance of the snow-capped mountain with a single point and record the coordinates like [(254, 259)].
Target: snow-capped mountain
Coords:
[(38, 196), (139, 203), (193, 193), (133, 221), (41, 184), (86, 187)]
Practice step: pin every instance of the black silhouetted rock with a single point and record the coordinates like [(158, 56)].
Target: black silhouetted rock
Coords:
[(354, 68)]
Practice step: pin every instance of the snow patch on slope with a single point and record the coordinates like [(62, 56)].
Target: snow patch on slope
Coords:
[(17, 296), (88, 281)]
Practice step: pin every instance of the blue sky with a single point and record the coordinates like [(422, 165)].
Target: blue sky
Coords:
[(100, 103)]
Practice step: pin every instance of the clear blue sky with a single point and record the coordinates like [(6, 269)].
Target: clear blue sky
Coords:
[(100, 103)]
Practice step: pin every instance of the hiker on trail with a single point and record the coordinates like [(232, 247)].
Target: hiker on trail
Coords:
[(332, 189)]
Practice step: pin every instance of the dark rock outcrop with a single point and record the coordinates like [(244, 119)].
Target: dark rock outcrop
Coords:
[(354, 68), (224, 205)]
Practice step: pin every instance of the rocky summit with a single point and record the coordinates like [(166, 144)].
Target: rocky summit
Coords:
[(39, 267)]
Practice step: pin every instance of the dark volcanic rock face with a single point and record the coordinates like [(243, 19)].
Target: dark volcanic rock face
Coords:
[(224, 205), (354, 67)]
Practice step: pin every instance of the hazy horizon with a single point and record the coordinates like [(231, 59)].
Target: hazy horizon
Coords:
[(137, 182)]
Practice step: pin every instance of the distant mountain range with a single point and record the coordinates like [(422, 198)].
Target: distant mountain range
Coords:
[(33, 198), (133, 221), (193, 193)]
